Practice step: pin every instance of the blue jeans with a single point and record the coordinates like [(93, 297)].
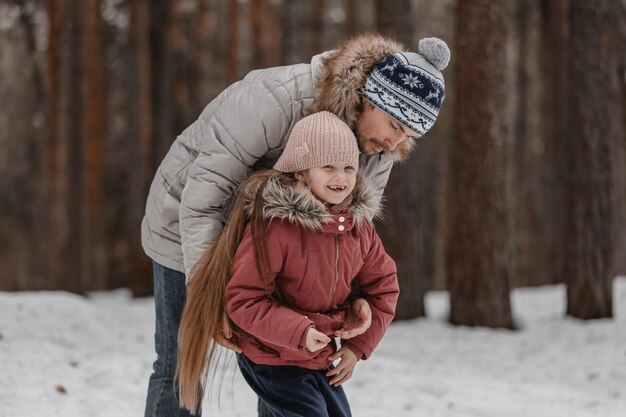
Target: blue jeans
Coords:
[(169, 301)]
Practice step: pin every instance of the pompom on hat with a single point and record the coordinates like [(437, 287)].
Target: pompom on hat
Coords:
[(319, 139), (409, 86)]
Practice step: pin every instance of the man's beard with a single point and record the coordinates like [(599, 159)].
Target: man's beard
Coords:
[(367, 146)]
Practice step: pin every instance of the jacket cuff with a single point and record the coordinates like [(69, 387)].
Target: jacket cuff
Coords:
[(302, 343), (298, 342)]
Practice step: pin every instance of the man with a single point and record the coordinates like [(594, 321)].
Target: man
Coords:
[(387, 96)]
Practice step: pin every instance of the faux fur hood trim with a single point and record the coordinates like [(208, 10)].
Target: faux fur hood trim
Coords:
[(288, 201), (343, 74)]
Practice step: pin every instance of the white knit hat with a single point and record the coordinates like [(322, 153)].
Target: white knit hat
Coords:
[(319, 139)]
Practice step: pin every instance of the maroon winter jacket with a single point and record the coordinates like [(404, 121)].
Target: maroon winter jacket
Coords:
[(314, 256)]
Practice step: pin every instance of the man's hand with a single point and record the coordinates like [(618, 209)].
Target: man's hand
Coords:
[(316, 340), (358, 320), (343, 371), (227, 334)]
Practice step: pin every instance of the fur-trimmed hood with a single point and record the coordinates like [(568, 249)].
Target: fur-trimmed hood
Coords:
[(343, 74), (285, 199)]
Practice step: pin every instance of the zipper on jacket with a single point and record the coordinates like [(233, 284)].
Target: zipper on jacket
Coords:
[(332, 294)]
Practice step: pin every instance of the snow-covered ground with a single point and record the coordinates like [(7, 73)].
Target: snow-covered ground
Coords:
[(67, 355)]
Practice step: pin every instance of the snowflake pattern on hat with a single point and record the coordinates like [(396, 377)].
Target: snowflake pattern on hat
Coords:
[(411, 80)]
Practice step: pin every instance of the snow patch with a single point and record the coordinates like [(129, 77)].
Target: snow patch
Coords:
[(69, 355)]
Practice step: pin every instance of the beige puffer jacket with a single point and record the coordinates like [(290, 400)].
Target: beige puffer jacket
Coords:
[(246, 128)]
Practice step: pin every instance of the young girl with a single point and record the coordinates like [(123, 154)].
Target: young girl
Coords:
[(308, 237)]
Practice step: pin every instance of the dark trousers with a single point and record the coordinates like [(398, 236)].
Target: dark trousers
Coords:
[(169, 301), (291, 391)]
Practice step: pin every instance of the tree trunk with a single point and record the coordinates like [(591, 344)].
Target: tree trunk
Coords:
[(22, 131), (265, 28), (392, 18), (271, 35), (162, 64), (554, 28), (232, 67), (478, 228), (64, 146), (588, 240), (617, 70), (317, 25), (256, 28), (202, 55), (94, 259), (350, 8), (143, 149)]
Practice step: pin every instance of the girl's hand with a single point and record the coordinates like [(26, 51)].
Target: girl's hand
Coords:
[(343, 371), (316, 340), (227, 334), (358, 320)]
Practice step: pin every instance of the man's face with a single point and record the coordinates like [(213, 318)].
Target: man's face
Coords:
[(378, 132)]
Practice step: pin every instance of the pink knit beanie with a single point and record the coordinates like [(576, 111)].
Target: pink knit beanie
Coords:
[(319, 139)]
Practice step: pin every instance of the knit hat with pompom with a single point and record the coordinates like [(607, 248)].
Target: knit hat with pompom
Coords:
[(409, 86)]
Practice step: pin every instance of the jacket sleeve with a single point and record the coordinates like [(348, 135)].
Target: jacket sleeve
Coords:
[(378, 279), (248, 298), (250, 118)]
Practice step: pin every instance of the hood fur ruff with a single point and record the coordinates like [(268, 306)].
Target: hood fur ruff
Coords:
[(344, 72), (282, 200)]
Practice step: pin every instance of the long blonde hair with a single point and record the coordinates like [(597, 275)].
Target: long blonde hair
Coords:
[(204, 309)]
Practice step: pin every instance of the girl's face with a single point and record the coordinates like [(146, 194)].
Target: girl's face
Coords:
[(331, 183)]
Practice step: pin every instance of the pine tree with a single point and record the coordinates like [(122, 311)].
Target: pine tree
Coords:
[(478, 240), (588, 240)]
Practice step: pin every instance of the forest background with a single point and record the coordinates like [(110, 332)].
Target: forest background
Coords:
[(521, 182)]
